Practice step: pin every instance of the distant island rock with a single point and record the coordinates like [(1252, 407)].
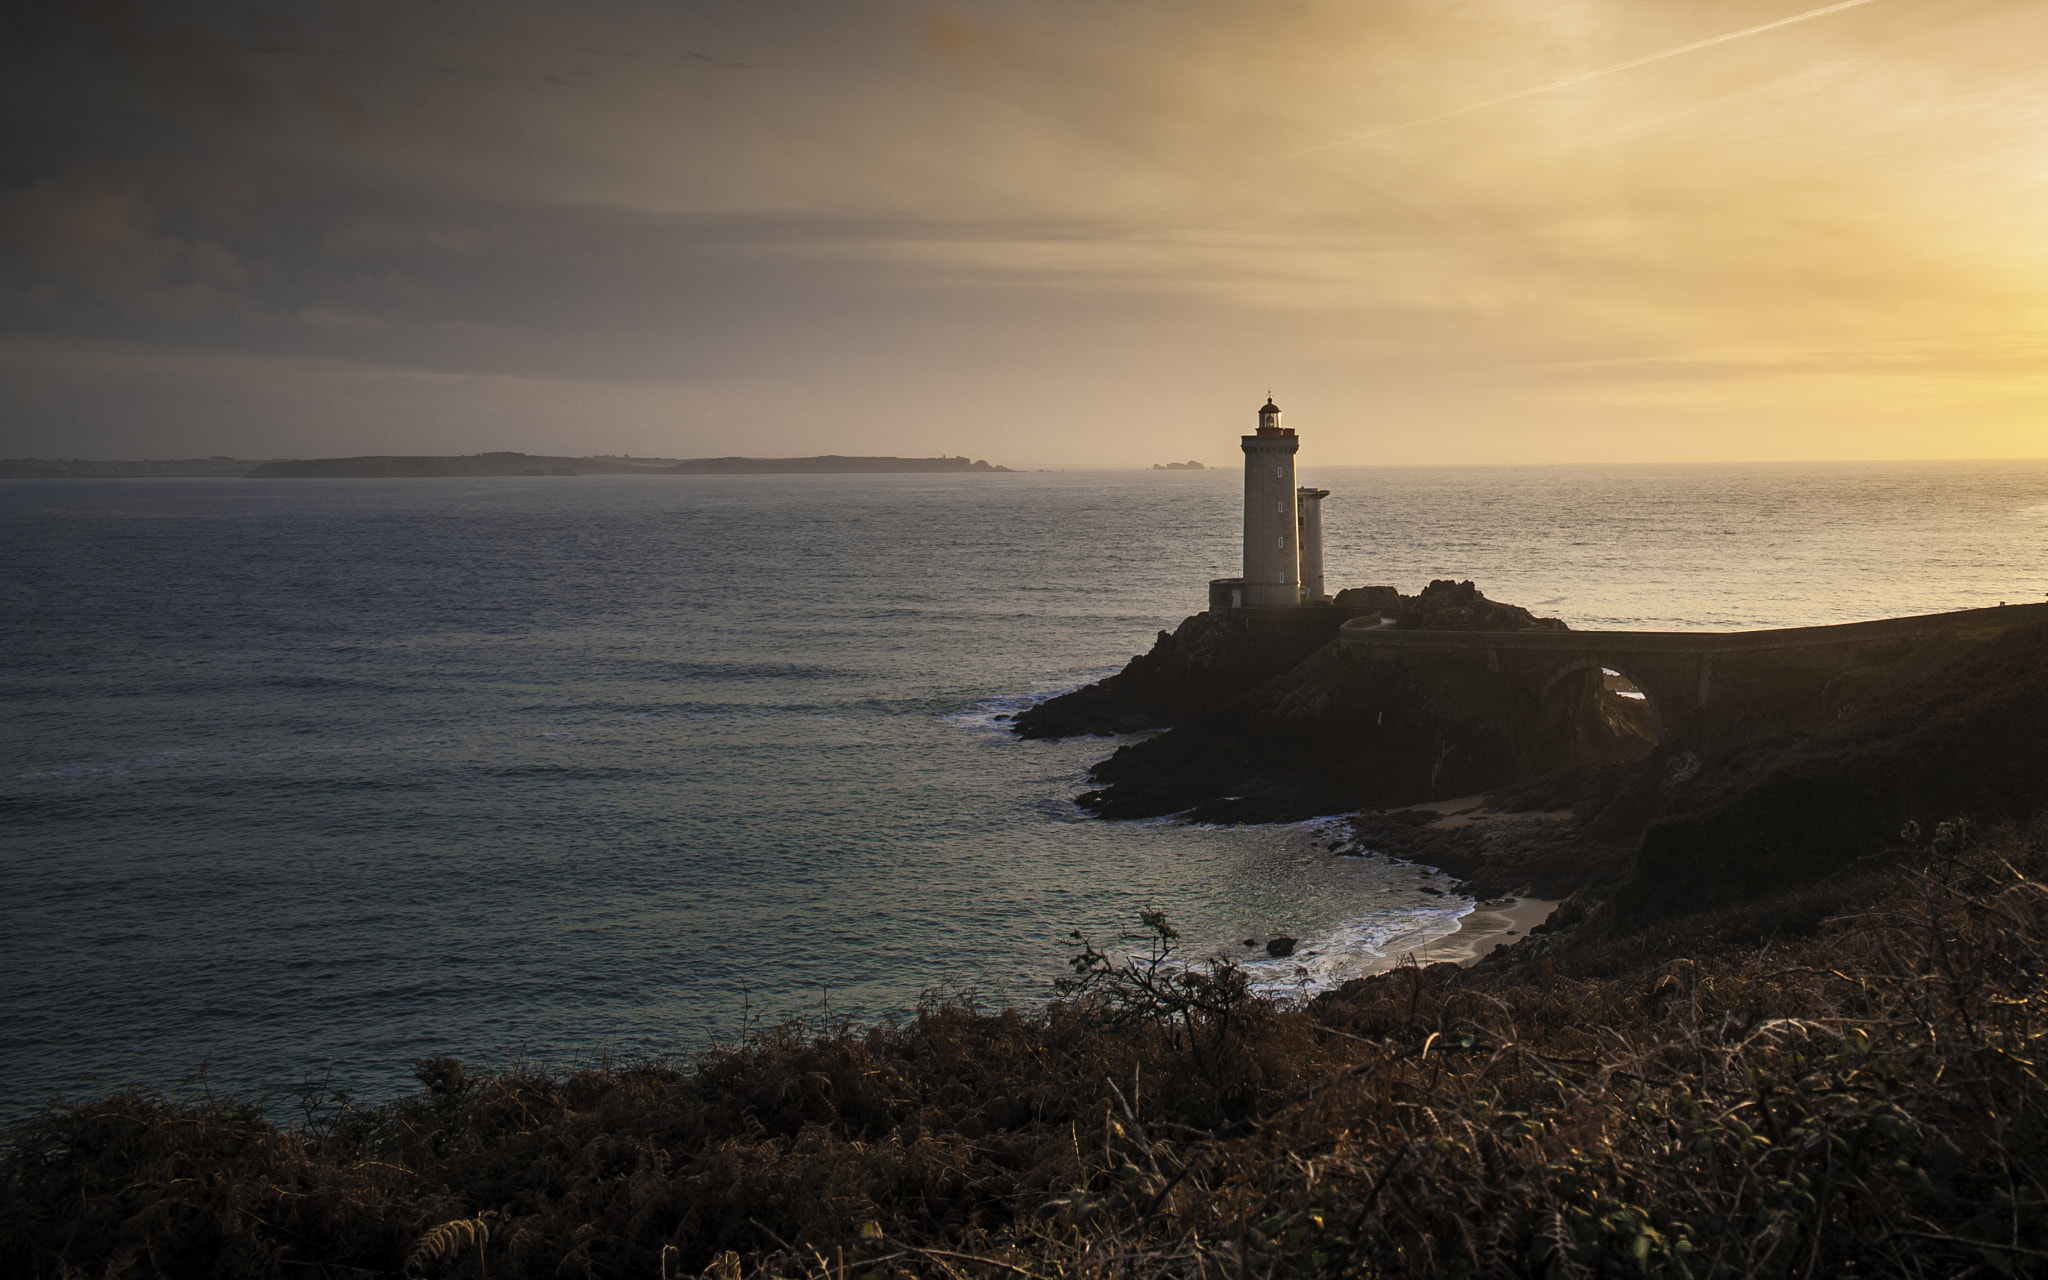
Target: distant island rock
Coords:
[(1190, 465)]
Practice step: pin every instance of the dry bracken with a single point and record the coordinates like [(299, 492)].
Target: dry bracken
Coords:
[(446, 1242)]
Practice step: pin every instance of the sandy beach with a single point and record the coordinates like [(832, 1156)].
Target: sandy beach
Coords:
[(1499, 923)]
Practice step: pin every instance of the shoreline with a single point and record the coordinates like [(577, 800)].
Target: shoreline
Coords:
[(1489, 926)]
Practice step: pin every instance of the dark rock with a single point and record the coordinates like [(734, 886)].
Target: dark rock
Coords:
[(1203, 666), (1265, 732), (1570, 912), (1459, 606), (1385, 600), (1280, 948), (1267, 718), (1533, 851), (1251, 942)]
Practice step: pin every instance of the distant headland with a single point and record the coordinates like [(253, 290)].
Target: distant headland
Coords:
[(386, 466), (830, 464)]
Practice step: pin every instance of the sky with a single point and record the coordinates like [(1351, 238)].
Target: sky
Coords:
[(1072, 233)]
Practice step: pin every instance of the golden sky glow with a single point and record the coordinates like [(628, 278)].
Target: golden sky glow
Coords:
[(1048, 234)]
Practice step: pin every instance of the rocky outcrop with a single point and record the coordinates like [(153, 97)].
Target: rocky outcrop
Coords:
[(1269, 720), (1329, 735), (1459, 606), (1382, 600), (1203, 666)]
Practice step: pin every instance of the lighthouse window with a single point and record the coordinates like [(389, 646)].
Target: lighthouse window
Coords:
[(1278, 474), (1280, 544)]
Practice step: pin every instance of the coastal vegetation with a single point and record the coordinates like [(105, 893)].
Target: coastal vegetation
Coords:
[(1788, 1023)]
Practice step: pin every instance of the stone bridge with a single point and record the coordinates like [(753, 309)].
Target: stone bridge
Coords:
[(1701, 686)]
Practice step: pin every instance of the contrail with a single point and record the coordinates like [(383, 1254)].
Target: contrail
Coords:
[(1582, 77)]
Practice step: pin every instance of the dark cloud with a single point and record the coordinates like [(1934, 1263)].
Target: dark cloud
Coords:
[(94, 238), (176, 59)]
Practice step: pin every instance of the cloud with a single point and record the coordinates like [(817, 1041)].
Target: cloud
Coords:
[(88, 235), (1584, 77), (333, 318), (178, 57), (958, 38), (376, 234)]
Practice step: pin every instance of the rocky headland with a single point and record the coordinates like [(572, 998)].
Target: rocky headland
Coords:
[(1267, 719), (1450, 764)]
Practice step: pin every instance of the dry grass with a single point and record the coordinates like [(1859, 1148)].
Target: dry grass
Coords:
[(1863, 1100)]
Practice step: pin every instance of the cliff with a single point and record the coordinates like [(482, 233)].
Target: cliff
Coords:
[(1267, 719)]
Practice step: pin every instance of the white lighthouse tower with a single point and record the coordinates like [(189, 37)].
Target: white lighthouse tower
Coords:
[(1272, 524), (1283, 528)]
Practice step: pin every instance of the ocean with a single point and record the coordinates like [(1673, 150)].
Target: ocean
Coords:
[(301, 780)]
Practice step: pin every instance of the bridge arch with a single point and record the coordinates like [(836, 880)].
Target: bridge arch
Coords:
[(1603, 725)]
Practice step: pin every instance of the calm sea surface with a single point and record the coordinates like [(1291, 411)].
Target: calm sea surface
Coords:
[(305, 779)]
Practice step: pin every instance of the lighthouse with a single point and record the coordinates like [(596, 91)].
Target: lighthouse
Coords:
[(1283, 527), (1272, 516)]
